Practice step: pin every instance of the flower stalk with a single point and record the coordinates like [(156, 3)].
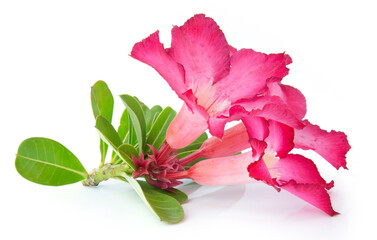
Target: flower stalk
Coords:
[(106, 172)]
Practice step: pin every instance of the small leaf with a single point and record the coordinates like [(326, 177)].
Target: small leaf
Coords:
[(107, 132), (111, 137), (137, 117), (102, 104), (102, 100), (124, 126), (155, 111), (157, 134), (47, 162), (184, 154), (165, 207), (180, 196), (125, 151)]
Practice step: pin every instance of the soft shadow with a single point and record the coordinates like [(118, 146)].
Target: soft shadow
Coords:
[(212, 203), (190, 188)]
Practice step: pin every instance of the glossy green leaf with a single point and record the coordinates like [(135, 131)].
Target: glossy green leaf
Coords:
[(180, 196), (47, 162), (165, 207), (137, 117), (107, 132), (102, 100), (125, 127), (125, 152), (102, 104), (157, 134), (155, 111), (111, 137)]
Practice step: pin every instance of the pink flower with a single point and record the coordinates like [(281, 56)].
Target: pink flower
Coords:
[(272, 162), (212, 78)]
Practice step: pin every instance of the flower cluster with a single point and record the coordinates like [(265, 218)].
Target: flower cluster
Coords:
[(220, 84)]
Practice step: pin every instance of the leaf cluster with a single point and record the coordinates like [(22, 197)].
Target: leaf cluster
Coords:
[(45, 161)]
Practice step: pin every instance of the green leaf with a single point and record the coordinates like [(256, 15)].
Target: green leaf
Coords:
[(157, 134), (180, 196), (102, 100), (111, 137), (107, 132), (125, 152), (137, 117), (102, 104), (124, 127), (154, 112), (165, 207), (47, 162)]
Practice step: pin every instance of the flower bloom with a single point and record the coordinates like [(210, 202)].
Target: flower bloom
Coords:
[(272, 162), (219, 84), (212, 77)]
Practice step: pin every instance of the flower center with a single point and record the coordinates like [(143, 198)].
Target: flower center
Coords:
[(157, 167), (271, 161), (209, 99)]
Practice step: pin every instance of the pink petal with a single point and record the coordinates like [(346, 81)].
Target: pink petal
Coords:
[(222, 171), (152, 52), (300, 169), (269, 107), (200, 46), (314, 194), (257, 129), (291, 96), (235, 140), (185, 128), (249, 72), (232, 50), (259, 171), (279, 114), (216, 126), (332, 146), (280, 139)]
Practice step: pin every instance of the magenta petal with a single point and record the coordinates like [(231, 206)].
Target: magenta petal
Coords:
[(280, 139), (152, 52), (232, 50), (300, 169), (249, 72), (279, 114), (257, 129), (269, 107), (259, 171), (332, 146), (314, 194), (185, 128), (200, 46), (291, 96), (222, 171)]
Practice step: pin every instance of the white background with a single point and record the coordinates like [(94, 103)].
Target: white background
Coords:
[(52, 52)]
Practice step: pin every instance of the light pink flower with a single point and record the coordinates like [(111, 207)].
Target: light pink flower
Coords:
[(211, 77)]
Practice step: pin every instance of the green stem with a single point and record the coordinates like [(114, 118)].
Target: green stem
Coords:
[(106, 172)]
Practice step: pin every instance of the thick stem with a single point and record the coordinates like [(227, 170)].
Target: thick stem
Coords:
[(104, 173)]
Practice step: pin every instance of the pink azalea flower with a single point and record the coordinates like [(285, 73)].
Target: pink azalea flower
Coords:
[(212, 78)]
